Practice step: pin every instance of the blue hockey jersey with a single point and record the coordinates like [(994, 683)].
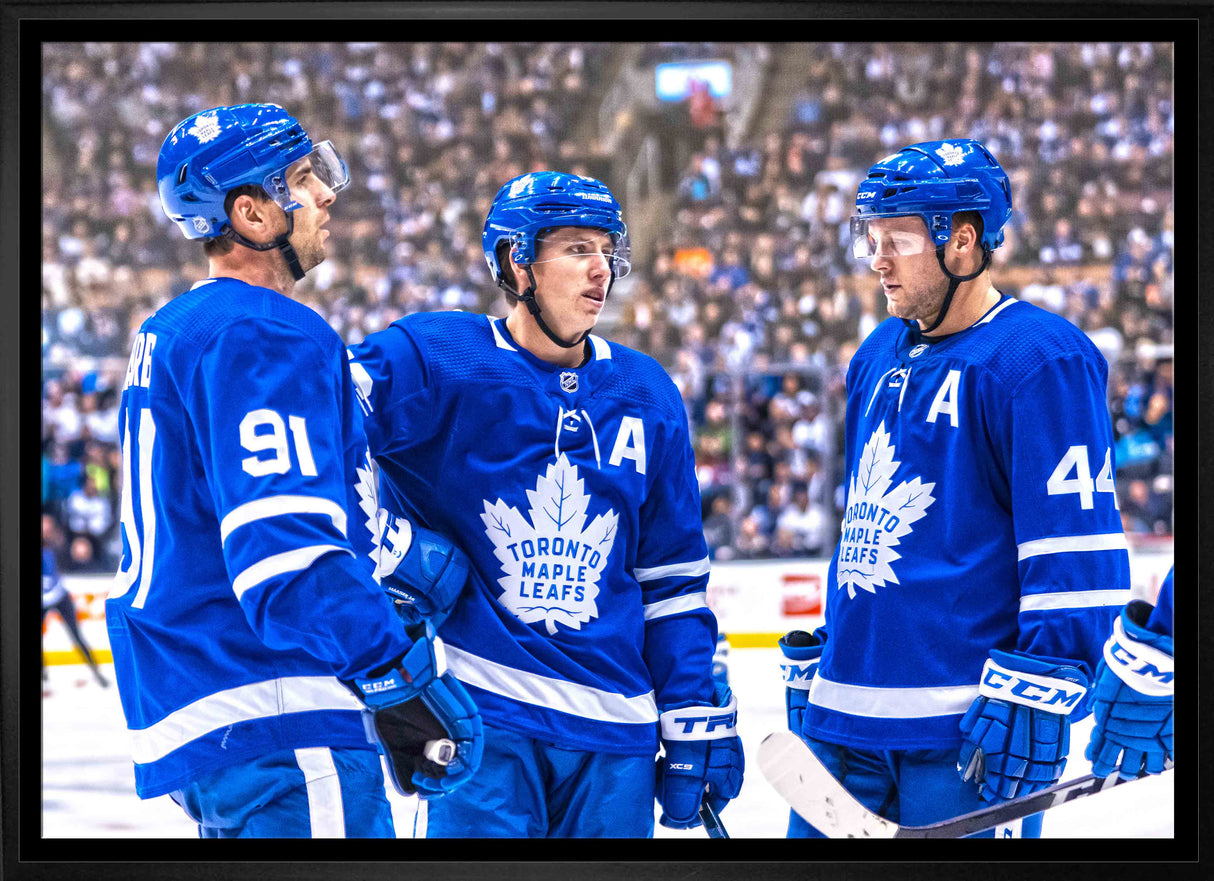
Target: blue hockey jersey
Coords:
[(574, 493), (1161, 620), (248, 518), (980, 514)]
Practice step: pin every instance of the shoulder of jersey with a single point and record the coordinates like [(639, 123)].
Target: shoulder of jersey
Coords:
[(458, 345), (1022, 337), (639, 377), (204, 311)]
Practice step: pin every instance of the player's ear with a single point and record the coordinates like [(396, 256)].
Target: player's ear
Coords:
[(251, 217), (964, 237)]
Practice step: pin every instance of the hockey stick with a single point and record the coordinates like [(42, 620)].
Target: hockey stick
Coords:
[(711, 820), (803, 781)]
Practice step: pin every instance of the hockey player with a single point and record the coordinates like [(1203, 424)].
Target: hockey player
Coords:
[(259, 661), (56, 596), (561, 462), (981, 559), (1132, 705)]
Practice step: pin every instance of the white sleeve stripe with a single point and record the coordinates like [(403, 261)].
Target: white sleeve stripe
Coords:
[(1065, 544), (273, 506), (1074, 599), (695, 568), (289, 561), (685, 603), (256, 700)]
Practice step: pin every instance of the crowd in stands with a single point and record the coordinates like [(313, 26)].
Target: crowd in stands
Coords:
[(749, 298)]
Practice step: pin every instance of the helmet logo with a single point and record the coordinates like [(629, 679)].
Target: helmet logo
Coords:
[(201, 224), (568, 381), (205, 128), (519, 185), (950, 154)]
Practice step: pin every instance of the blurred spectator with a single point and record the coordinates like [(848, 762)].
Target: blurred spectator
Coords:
[(89, 515)]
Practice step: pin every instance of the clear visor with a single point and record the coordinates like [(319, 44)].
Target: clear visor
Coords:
[(886, 236), (324, 163), (612, 247)]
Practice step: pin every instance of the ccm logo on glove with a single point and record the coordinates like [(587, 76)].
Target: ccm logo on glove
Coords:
[(1145, 669), (1029, 690)]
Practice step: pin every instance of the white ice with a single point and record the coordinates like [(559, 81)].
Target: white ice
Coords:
[(88, 788)]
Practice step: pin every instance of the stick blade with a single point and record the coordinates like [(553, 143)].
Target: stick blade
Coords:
[(822, 801)]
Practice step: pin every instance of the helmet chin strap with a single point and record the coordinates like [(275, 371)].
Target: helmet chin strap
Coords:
[(954, 282), (533, 306), (282, 243)]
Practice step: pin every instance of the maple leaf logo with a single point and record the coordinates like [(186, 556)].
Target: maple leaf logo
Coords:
[(368, 499), (877, 517), (551, 559), (205, 128), (950, 154)]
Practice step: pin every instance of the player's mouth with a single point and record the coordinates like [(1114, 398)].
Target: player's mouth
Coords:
[(598, 295)]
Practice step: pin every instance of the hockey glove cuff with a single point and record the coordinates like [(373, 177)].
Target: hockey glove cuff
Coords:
[(702, 753), (419, 568), (1132, 699), (802, 653), (423, 721), (1016, 734)]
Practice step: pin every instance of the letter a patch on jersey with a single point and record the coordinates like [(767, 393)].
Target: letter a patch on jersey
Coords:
[(877, 516), (551, 559)]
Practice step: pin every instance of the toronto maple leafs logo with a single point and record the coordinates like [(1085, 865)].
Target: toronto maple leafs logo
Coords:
[(551, 559), (205, 128), (951, 154), (368, 500), (877, 517)]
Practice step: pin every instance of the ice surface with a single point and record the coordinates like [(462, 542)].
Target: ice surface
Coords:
[(88, 785)]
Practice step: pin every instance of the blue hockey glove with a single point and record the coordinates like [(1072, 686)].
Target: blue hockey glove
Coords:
[(1132, 699), (420, 569), (422, 720), (703, 752), (802, 652), (1018, 731)]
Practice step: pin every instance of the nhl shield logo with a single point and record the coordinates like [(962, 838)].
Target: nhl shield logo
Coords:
[(568, 381)]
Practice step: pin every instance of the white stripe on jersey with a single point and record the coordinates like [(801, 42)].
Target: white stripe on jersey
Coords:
[(325, 809), (891, 703), (544, 691), (602, 351), (498, 338), (674, 605), (1065, 544), (273, 506), (257, 700), (996, 311), (1074, 599), (693, 569), (277, 564)]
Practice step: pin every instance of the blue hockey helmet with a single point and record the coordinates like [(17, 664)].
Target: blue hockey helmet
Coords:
[(209, 153), (531, 203), (933, 180)]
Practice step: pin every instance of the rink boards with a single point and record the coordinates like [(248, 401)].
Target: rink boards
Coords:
[(755, 601)]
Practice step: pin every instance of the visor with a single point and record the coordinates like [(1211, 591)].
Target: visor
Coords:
[(328, 166), (871, 237), (619, 260)]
